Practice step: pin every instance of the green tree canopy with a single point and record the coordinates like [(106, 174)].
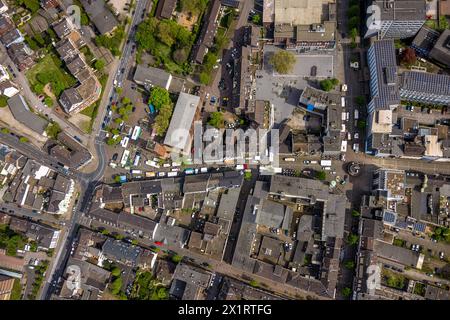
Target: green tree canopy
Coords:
[(53, 129), (216, 119), (3, 101), (283, 61), (159, 97), (99, 64), (353, 239), (321, 175)]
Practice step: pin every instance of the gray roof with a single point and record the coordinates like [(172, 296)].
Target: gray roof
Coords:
[(151, 77), (70, 98), (271, 214), (441, 50), (425, 82), (397, 254), (228, 203), (120, 251), (22, 113), (165, 8), (384, 73), (100, 15), (181, 122), (172, 235), (312, 191), (425, 39), (401, 10)]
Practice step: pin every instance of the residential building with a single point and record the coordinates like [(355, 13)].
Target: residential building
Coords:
[(152, 77), (189, 283), (399, 19), (207, 33), (68, 151), (165, 9), (11, 37), (89, 88), (103, 19), (21, 55)]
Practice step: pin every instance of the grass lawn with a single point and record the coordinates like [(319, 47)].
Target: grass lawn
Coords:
[(51, 65), (89, 110), (16, 293), (92, 110)]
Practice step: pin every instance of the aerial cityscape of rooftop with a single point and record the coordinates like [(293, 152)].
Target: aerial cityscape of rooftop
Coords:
[(224, 150)]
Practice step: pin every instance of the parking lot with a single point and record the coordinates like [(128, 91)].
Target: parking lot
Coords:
[(423, 116)]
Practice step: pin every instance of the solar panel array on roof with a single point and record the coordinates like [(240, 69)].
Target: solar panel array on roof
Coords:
[(389, 217), (401, 225), (419, 227)]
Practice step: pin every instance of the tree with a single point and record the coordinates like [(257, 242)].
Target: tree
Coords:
[(256, 19), (283, 61), (126, 100), (346, 292), (361, 124), (48, 101), (353, 11), (99, 64), (360, 101), (408, 56), (443, 23), (3, 101), (32, 5), (205, 78), (164, 33), (5, 131), (180, 56), (349, 265), (216, 119), (193, 6), (23, 139), (162, 294), (321, 175), (115, 272), (353, 33), (326, 85), (355, 213), (254, 283), (352, 239), (248, 176), (116, 285), (117, 178), (52, 130), (84, 19), (159, 97), (38, 88), (353, 23), (162, 120), (177, 258)]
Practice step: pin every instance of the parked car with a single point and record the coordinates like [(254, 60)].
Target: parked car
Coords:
[(115, 156)]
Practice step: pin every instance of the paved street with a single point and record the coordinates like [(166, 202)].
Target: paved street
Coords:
[(89, 181)]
